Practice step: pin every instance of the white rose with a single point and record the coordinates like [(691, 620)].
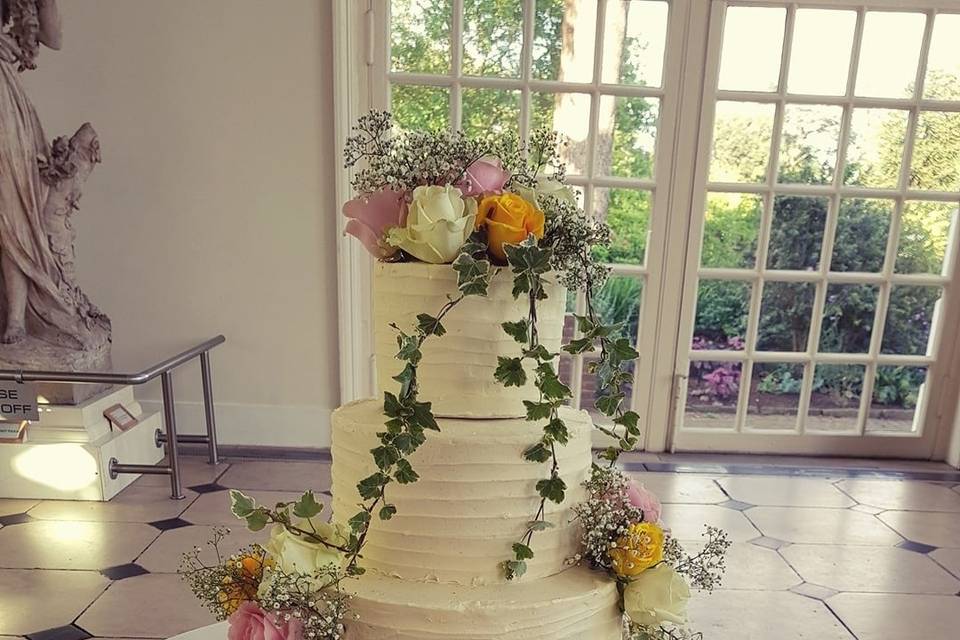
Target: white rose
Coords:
[(293, 553), (439, 222), (547, 186), (657, 595)]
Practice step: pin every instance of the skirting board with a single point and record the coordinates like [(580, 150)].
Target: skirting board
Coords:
[(256, 424)]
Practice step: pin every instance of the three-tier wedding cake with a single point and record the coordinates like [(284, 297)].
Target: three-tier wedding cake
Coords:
[(434, 569)]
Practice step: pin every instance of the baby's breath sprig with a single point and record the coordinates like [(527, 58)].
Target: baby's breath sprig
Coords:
[(316, 601), (634, 631), (704, 569)]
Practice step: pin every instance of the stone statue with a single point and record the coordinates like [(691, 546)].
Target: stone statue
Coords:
[(48, 321)]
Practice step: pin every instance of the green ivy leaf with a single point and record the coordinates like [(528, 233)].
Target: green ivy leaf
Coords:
[(579, 345), (372, 486), (391, 405), (539, 352), (257, 520), (539, 525), (557, 429), (630, 421), (609, 404), (553, 489), (410, 350), (385, 456), (517, 330), (428, 325), (423, 416), (538, 410), (522, 551), (404, 443), (620, 350), (359, 521), (405, 473), (537, 453), (241, 505), (515, 569), (388, 511), (510, 372), (307, 506)]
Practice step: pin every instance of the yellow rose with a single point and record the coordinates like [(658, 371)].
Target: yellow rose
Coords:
[(509, 219), (656, 596), (241, 585), (638, 550)]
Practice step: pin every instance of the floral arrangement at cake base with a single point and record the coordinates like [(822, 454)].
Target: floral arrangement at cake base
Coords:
[(494, 209)]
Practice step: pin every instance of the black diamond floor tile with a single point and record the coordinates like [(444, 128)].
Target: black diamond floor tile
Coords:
[(69, 632), (736, 505), (170, 523), (210, 487), (122, 571), (15, 518), (916, 547)]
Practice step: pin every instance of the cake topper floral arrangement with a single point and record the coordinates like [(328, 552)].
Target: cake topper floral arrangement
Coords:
[(481, 205)]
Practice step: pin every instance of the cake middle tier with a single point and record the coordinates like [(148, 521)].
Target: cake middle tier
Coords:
[(475, 497)]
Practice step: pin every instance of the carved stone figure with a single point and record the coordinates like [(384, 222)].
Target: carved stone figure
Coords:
[(48, 322)]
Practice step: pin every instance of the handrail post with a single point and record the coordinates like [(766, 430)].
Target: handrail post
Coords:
[(208, 408), (170, 420)]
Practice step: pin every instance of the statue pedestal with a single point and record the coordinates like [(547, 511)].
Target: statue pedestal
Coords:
[(66, 454), (32, 354)]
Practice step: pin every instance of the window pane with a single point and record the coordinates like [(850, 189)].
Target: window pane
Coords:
[(875, 148), (924, 232), (774, 396), (627, 211), (860, 243), (752, 47), (490, 111), (741, 141), (943, 62), (835, 401), (420, 35), (712, 392), (492, 38), (890, 54), (808, 151), (619, 301), (820, 59), (568, 113), (896, 392), (936, 152), (633, 137), (420, 108), (730, 230), (785, 316), (848, 314), (640, 58), (796, 232), (563, 43), (721, 321), (909, 318)]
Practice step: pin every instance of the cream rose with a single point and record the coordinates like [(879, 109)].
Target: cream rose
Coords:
[(546, 186), (657, 595), (439, 222)]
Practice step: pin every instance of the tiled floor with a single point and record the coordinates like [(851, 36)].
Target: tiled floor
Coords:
[(824, 549)]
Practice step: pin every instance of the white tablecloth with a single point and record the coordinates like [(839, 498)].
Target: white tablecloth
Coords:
[(213, 632)]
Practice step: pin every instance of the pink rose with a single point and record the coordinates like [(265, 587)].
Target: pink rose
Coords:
[(372, 215), (644, 500), (250, 622), (483, 176)]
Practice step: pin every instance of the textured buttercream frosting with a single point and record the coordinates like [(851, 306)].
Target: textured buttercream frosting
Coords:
[(474, 498), (456, 373), (577, 604)]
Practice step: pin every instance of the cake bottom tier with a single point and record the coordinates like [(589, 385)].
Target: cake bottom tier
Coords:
[(574, 604)]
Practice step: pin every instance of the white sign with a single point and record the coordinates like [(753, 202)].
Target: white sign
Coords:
[(18, 401)]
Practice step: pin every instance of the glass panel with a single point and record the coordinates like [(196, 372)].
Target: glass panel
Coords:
[(742, 132), (889, 54), (943, 62), (490, 111), (848, 315), (563, 42), (820, 59), (752, 47), (721, 320), (639, 59), (896, 392), (619, 301), (568, 113), (785, 316), (420, 35), (774, 396), (861, 238), (909, 318), (730, 230), (627, 211), (492, 38), (808, 151), (629, 151), (712, 391), (796, 232), (924, 232), (936, 152), (875, 148), (421, 108), (835, 401)]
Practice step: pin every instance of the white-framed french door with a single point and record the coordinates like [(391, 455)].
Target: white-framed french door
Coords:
[(821, 146), (639, 99)]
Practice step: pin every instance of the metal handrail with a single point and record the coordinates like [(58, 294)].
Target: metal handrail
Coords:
[(169, 435)]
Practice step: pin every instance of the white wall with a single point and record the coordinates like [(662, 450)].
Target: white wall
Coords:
[(213, 210)]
